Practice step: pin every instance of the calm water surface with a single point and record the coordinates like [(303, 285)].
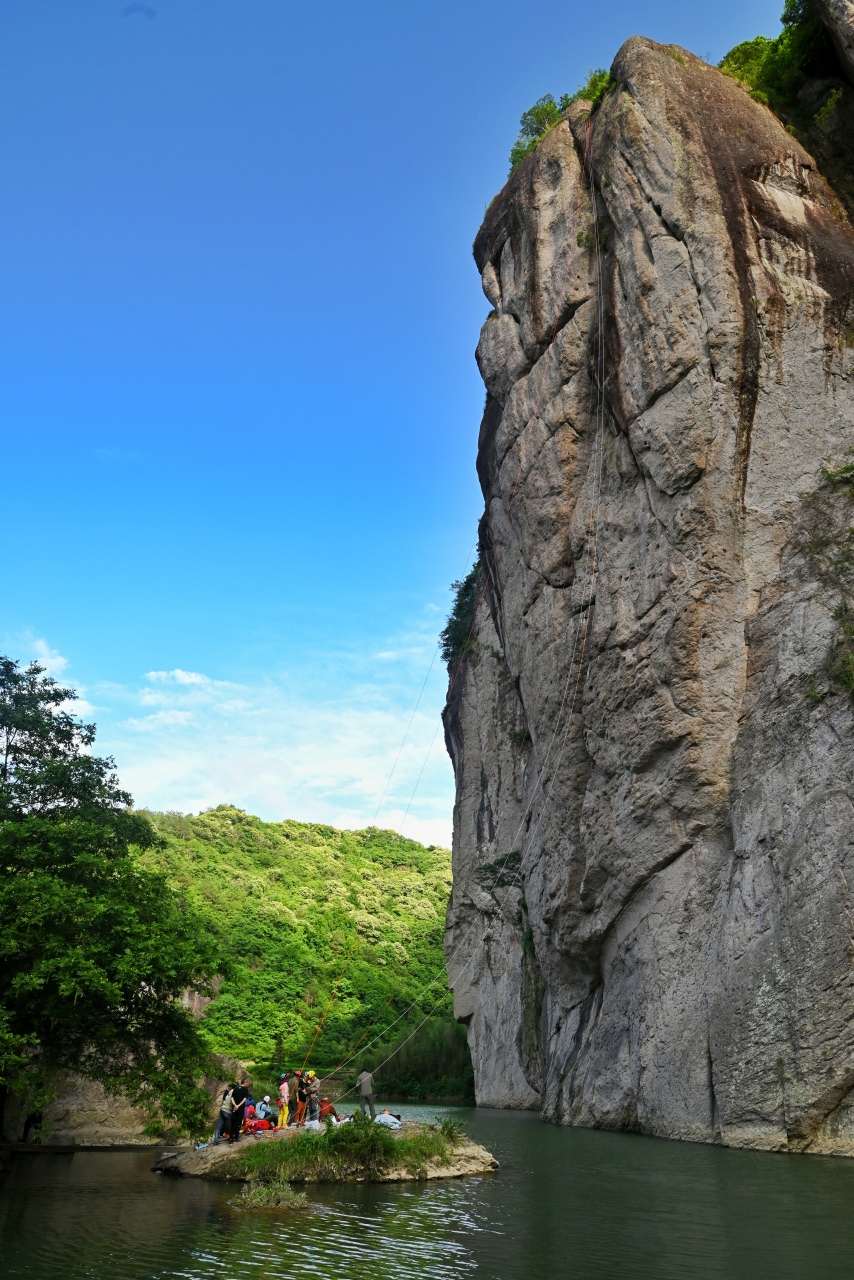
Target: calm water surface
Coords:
[(567, 1202)]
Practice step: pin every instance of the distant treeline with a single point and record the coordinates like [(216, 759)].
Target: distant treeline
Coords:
[(293, 905)]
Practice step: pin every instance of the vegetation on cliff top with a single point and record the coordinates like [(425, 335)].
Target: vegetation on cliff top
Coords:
[(457, 637), (775, 70), (542, 117), (289, 905)]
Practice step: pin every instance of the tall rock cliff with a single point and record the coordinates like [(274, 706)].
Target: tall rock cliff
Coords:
[(652, 924)]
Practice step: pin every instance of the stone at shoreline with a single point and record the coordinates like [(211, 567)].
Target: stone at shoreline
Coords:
[(83, 1114), (216, 1162)]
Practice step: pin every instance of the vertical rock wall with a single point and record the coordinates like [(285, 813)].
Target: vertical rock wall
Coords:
[(651, 920)]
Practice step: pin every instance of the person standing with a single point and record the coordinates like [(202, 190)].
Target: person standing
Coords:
[(299, 1113), (225, 1110), (313, 1091), (365, 1086), (284, 1098), (238, 1097), (293, 1101)]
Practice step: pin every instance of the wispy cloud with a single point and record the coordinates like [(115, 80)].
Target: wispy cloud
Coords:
[(315, 746), (52, 661)]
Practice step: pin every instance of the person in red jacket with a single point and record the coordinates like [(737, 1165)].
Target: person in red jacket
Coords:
[(327, 1109)]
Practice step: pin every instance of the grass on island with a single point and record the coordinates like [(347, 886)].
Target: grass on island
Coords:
[(276, 1194), (357, 1148)]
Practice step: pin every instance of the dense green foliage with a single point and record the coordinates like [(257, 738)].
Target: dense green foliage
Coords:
[(95, 951), (435, 1063), (45, 765), (355, 1148), (457, 637), (542, 117), (293, 905), (774, 70)]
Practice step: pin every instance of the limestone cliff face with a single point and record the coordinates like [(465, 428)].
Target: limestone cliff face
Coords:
[(651, 925)]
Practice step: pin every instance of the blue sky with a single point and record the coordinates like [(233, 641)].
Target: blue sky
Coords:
[(238, 399)]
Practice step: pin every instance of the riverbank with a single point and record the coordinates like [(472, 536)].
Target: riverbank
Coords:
[(352, 1153)]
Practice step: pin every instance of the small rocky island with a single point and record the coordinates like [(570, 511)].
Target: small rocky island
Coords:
[(351, 1153)]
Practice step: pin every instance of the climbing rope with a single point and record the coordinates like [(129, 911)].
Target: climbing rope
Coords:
[(331, 998), (597, 383)]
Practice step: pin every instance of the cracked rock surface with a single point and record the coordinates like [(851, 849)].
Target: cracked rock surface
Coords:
[(651, 922)]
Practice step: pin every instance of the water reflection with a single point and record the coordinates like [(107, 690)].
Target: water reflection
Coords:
[(568, 1203)]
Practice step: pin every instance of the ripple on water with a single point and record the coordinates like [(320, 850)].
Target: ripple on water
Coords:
[(567, 1203)]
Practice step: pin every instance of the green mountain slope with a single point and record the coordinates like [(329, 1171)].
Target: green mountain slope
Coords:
[(291, 904)]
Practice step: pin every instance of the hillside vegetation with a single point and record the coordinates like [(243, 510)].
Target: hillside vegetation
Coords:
[(290, 904)]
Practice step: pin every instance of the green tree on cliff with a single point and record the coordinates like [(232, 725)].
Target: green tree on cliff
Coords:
[(95, 950)]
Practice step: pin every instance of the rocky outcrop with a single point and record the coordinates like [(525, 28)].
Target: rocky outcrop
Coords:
[(224, 1163), (83, 1114), (838, 18), (651, 921)]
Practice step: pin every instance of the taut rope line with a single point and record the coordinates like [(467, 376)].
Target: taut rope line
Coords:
[(590, 558)]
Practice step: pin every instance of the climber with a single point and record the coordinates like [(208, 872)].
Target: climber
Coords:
[(313, 1091)]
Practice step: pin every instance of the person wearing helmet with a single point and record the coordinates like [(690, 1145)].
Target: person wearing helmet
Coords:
[(313, 1091)]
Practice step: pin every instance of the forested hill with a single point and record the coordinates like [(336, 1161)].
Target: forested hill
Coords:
[(288, 902)]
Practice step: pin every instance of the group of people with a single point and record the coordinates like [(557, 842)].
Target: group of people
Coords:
[(240, 1113), (300, 1104), (300, 1096)]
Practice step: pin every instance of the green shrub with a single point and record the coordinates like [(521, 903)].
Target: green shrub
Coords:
[(542, 117), (457, 638), (451, 1131), (829, 107), (773, 70), (277, 1194), (501, 873)]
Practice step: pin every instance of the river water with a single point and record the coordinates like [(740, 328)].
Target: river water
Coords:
[(566, 1203)]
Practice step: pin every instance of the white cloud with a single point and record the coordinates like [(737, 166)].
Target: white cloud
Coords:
[(184, 677), (160, 720), (282, 753), (52, 661), (315, 745)]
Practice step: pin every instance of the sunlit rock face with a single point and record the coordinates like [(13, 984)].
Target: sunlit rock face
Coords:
[(651, 922)]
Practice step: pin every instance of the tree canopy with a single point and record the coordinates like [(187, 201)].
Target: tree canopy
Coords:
[(542, 117), (45, 765), (95, 949)]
